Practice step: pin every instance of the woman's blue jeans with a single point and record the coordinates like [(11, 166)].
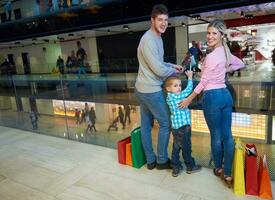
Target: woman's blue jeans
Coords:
[(217, 110), (153, 106)]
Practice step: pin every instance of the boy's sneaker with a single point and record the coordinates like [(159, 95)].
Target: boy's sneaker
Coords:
[(176, 171), (151, 165), (191, 170), (166, 165)]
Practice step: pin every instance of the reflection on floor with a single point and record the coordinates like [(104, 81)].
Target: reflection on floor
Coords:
[(56, 126), (39, 167)]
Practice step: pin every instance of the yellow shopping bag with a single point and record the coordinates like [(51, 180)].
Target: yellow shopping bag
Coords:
[(238, 168)]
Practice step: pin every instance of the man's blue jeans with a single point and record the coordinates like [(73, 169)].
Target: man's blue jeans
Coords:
[(153, 106), (217, 109)]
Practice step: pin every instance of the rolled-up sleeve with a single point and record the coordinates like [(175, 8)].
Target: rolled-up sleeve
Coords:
[(235, 64)]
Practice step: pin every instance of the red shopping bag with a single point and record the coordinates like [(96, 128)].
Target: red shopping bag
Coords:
[(121, 149), (251, 178), (264, 180)]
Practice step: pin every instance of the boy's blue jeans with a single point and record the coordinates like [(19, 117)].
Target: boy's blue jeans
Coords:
[(153, 106), (182, 141), (217, 110)]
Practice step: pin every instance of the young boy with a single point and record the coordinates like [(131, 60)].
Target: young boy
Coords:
[(181, 122)]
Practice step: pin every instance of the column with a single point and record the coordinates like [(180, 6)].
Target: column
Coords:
[(93, 55), (181, 42)]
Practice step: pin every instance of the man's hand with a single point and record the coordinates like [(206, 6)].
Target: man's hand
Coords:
[(179, 68)]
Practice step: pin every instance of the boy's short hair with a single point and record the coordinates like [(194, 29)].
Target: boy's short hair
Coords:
[(159, 9), (169, 81)]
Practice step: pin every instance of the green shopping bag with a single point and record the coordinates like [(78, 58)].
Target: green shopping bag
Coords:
[(138, 156)]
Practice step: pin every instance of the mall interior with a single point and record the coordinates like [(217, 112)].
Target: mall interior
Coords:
[(40, 98)]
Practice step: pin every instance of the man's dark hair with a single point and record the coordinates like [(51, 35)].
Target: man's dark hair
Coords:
[(159, 9)]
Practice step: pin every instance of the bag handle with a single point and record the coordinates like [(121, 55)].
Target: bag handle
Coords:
[(134, 130), (242, 146)]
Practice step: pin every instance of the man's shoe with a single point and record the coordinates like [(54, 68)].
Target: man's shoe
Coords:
[(175, 172), (191, 170), (151, 165), (166, 165)]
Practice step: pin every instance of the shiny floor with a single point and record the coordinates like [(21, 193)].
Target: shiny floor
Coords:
[(56, 126), (39, 167)]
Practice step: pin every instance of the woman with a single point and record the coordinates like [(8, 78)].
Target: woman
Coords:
[(217, 101)]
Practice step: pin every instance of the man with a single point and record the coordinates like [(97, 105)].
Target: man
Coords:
[(8, 9), (81, 59), (60, 64), (152, 72), (197, 54), (92, 118), (127, 111)]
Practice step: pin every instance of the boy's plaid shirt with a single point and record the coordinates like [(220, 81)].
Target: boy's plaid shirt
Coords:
[(179, 117)]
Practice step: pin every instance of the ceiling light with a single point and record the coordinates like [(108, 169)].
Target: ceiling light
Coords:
[(70, 34), (183, 24), (17, 43), (169, 24), (125, 27), (34, 39), (46, 40)]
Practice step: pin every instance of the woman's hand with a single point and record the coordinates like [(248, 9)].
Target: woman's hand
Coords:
[(184, 103)]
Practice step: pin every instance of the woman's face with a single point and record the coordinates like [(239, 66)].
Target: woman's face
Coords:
[(214, 37)]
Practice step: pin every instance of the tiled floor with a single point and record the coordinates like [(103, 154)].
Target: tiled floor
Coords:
[(39, 167)]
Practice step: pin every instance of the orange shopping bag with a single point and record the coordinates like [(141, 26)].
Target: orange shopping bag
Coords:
[(264, 179), (129, 154)]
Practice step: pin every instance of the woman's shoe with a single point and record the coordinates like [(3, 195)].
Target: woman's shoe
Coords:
[(217, 172), (228, 181)]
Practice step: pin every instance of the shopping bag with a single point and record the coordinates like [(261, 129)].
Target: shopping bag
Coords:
[(251, 172), (238, 169), (265, 190), (129, 154), (121, 149), (138, 156)]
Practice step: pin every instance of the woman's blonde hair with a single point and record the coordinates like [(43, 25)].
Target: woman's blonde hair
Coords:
[(221, 27)]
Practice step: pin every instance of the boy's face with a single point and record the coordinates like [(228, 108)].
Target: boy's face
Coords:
[(174, 87)]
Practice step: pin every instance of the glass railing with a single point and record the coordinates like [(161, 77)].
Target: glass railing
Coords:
[(58, 105)]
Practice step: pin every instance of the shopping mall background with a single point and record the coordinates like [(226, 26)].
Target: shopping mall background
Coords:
[(30, 84)]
